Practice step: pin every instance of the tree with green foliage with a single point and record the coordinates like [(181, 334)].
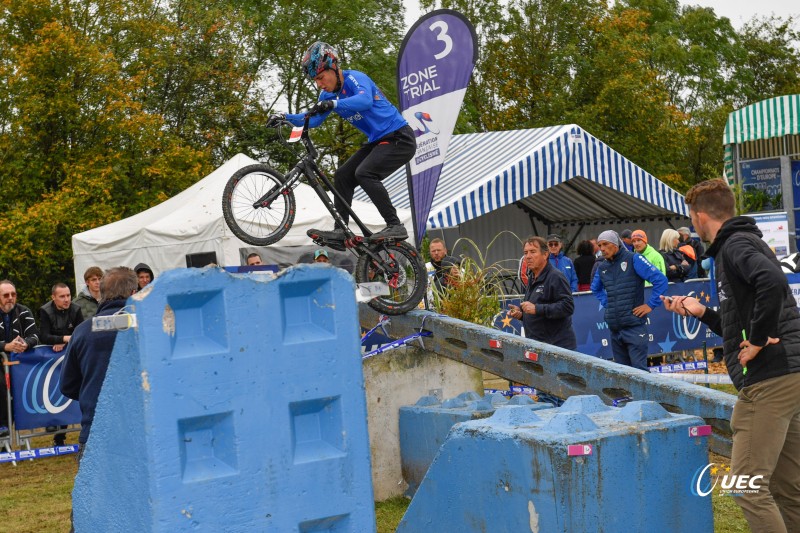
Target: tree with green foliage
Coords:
[(110, 108)]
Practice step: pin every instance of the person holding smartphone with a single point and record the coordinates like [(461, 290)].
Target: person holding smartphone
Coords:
[(547, 309)]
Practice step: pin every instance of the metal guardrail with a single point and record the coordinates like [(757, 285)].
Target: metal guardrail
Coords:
[(558, 371)]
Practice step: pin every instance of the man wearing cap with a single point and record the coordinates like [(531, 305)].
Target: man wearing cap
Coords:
[(561, 261), (321, 256), (619, 285), (640, 246)]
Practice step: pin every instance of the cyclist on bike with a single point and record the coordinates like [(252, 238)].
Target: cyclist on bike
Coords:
[(390, 140)]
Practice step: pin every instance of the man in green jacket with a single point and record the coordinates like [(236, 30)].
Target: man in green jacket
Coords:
[(640, 246)]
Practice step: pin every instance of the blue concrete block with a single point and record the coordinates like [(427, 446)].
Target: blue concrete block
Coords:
[(582, 467), (237, 405), (425, 425)]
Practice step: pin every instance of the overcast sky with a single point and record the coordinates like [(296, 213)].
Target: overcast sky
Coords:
[(738, 11)]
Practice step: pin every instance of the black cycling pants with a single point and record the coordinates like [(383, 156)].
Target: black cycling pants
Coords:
[(371, 164)]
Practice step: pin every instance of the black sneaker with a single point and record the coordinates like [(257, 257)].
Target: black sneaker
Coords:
[(59, 440), (395, 232), (336, 234)]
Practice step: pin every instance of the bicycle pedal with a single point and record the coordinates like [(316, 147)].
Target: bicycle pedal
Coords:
[(333, 245)]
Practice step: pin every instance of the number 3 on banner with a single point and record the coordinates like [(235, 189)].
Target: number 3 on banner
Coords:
[(448, 42)]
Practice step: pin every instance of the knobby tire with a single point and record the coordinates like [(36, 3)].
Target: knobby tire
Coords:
[(260, 226), (413, 278)]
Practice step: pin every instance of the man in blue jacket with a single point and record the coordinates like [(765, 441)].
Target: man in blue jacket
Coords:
[(619, 285), (391, 142), (560, 261), (546, 311), (89, 352)]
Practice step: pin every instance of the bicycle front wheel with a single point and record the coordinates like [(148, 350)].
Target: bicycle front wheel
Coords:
[(252, 210), (407, 278)]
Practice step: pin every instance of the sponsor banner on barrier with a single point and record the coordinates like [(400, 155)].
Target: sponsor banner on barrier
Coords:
[(35, 387), (679, 367), (667, 332), (38, 453)]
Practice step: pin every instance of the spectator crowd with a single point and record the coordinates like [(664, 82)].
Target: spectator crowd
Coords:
[(53, 323)]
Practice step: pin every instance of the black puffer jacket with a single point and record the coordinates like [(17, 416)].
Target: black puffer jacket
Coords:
[(56, 323), (755, 298), (675, 258)]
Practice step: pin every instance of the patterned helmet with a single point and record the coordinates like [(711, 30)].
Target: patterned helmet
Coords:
[(319, 56)]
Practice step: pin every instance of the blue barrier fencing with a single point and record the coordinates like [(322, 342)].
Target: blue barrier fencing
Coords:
[(668, 332)]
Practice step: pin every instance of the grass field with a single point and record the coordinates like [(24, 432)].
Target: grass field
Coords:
[(35, 498)]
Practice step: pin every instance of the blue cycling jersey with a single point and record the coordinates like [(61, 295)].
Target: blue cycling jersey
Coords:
[(362, 104)]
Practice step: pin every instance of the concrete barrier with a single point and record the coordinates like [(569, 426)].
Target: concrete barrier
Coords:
[(237, 405), (424, 427), (581, 467), (562, 372), (397, 378)]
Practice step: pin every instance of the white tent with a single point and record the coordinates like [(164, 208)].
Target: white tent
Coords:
[(191, 223)]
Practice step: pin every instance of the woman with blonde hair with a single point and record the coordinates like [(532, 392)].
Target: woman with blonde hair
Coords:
[(676, 264)]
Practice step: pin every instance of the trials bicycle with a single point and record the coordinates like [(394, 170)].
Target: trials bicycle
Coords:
[(258, 205)]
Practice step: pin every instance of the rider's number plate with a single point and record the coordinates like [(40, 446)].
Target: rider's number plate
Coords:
[(367, 291)]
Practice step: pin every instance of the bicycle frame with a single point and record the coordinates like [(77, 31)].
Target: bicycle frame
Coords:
[(308, 167)]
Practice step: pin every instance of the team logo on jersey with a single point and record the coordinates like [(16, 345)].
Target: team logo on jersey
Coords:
[(624, 266)]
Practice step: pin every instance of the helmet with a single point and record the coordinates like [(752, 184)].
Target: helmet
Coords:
[(319, 56)]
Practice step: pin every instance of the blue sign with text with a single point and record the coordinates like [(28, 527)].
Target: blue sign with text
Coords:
[(764, 175), (667, 331)]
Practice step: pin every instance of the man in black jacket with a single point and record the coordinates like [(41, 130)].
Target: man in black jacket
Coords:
[(760, 327), (443, 265), (18, 332), (57, 321), (546, 312), (58, 318)]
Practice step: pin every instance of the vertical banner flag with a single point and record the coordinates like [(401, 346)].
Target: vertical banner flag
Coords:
[(433, 71)]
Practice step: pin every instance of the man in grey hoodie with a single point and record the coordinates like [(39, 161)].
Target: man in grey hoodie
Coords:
[(145, 274)]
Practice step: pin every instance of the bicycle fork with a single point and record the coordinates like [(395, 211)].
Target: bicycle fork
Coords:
[(292, 180), (389, 266)]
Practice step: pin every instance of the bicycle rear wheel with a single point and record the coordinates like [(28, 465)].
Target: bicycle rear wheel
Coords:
[(255, 224), (406, 284)]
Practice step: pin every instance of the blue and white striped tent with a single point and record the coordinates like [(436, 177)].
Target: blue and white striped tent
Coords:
[(560, 174)]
